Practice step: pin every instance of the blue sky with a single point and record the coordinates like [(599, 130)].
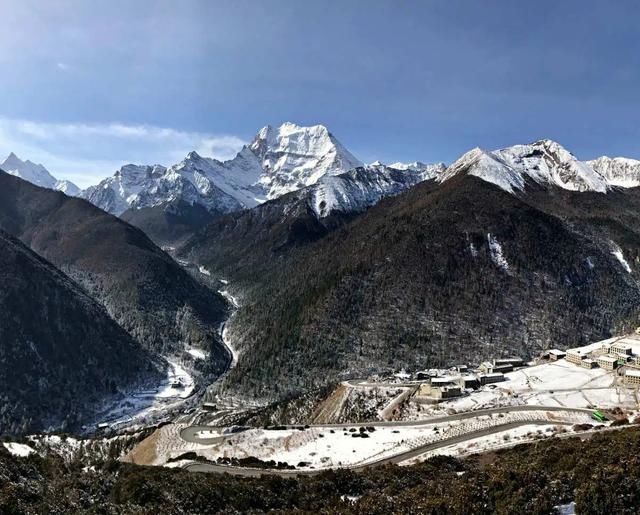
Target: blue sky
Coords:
[(89, 85)]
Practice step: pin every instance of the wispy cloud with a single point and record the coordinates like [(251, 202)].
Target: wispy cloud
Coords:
[(86, 153)]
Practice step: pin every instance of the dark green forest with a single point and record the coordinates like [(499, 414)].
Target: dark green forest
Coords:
[(414, 282)]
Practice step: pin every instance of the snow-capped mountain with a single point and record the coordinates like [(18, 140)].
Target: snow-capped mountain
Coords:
[(430, 170), (363, 187), (618, 171), (293, 157), (544, 162), (37, 174), (278, 161), (135, 186), (68, 188)]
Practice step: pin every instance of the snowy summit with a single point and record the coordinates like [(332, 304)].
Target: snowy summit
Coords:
[(278, 161), (544, 162), (36, 174)]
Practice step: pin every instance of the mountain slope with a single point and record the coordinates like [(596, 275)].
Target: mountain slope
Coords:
[(303, 216), (60, 352), (37, 174), (457, 271), (143, 289)]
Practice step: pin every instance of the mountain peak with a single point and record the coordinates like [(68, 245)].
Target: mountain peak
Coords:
[(546, 162), (34, 173), (194, 156)]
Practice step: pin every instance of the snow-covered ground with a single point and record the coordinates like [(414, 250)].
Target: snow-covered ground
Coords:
[(330, 447), (177, 386), (491, 442), (557, 383), (198, 353), (18, 449)]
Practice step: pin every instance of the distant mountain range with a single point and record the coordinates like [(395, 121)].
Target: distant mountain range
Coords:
[(170, 202)]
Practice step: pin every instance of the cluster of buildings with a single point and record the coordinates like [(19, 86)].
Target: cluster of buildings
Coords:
[(441, 387), (608, 354)]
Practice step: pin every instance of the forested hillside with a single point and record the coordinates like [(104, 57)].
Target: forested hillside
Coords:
[(61, 354), (141, 286), (462, 271)]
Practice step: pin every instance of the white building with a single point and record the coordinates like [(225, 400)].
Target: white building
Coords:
[(607, 361), (632, 377)]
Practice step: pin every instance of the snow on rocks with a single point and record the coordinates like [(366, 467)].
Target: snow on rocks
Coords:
[(617, 253), (618, 171), (363, 187), (20, 450), (278, 161), (497, 254), (544, 162), (197, 353)]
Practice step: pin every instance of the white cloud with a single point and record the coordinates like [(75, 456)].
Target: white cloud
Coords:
[(63, 66), (86, 153)]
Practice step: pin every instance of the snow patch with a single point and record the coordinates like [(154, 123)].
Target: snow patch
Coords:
[(497, 255), (18, 449), (617, 253), (197, 353)]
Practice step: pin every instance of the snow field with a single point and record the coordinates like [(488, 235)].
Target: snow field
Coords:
[(327, 447)]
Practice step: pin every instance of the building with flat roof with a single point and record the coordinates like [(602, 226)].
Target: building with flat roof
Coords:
[(442, 391), (622, 349), (514, 362), (588, 363), (489, 368), (632, 377), (556, 354), (493, 377), (576, 356), (469, 381), (607, 361)]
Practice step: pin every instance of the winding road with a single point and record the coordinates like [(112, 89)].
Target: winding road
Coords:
[(190, 434), (397, 458)]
